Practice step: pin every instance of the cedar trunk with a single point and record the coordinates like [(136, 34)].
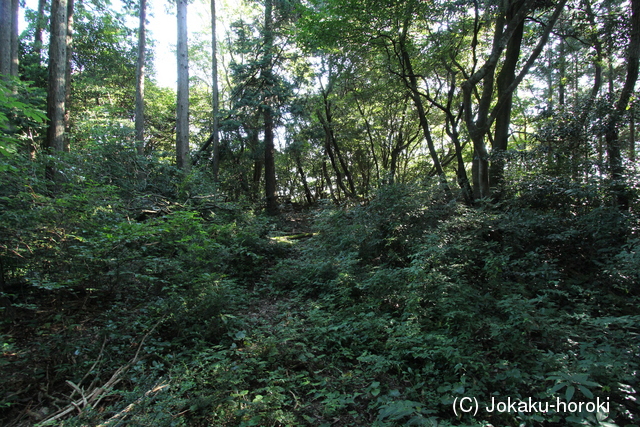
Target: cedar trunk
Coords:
[(182, 113), (140, 75), (267, 75), (56, 92), (5, 36), (215, 94)]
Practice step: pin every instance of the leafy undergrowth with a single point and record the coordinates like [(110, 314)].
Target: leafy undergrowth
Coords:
[(393, 311), (136, 312)]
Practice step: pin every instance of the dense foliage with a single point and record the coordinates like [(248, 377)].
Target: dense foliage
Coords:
[(195, 311), (452, 216)]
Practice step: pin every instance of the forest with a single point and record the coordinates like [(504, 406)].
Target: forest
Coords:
[(345, 213)]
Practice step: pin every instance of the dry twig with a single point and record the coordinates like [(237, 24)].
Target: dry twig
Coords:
[(97, 394)]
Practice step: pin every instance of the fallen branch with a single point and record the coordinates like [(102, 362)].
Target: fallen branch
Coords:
[(122, 414), (97, 394), (293, 237)]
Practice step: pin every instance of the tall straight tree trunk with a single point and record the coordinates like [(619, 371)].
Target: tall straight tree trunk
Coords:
[(550, 82), (56, 91), (215, 95), (67, 74), (182, 113), (15, 11), (140, 75), (597, 65), (632, 135), (41, 21), (562, 70), (255, 179), (269, 163), (257, 155), (6, 24), (612, 137), (267, 105)]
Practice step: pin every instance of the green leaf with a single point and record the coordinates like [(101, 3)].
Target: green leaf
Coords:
[(569, 393), (585, 391)]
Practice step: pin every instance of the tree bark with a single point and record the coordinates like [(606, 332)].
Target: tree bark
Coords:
[(303, 178), (6, 24), (372, 147), (57, 76), (15, 11), (411, 81), (40, 24), (328, 146), (505, 78), (269, 164), (215, 94), (479, 123), (343, 164), (325, 173), (613, 143), (140, 76), (267, 75), (67, 74), (182, 113), (597, 64), (632, 135)]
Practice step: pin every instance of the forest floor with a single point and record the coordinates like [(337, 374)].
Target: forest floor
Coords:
[(369, 316)]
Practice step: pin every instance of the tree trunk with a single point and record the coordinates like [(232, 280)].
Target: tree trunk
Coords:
[(632, 135), (395, 153), (182, 113), (479, 124), (215, 94), (267, 75), (140, 76), (503, 116), (269, 164), (328, 146), (461, 171), (411, 82), (303, 178), (372, 147), (255, 179), (613, 143), (597, 65), (343, 164), (325, 173), (562, 71), (41, 21), (67, 74), (15, 11), (56, 92), (6, 24), (258, 160)]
